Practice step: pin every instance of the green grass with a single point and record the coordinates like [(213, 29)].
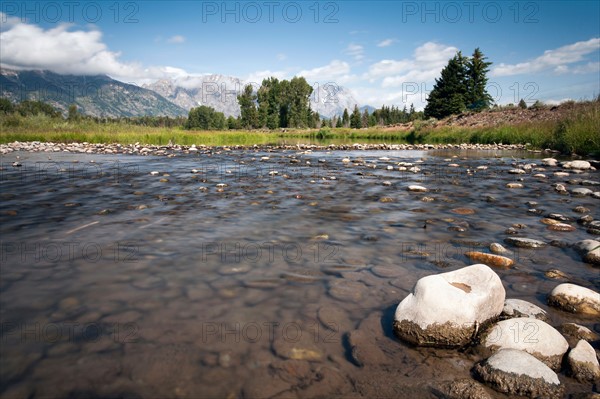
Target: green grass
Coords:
[(576, 133)]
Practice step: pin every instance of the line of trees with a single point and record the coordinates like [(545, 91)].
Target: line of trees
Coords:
[(277, 104), (461, 87)]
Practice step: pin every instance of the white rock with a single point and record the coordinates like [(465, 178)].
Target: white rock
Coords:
[(589, 251), (581, 191), (516, 372), (521, 308), (416, 188), (516, 171), (447, 309), (576, 299), (533, 336), (583, 363), (582, 165), (549, 161)]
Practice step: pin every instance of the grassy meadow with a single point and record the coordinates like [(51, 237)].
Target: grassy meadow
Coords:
[(577, 132)]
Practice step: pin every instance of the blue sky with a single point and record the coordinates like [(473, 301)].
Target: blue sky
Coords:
[(384, 52)]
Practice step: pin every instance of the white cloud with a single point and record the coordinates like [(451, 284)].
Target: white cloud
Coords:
[(26, 46), (334, 69), (385, 43), (556, 60), (425, 65), (64, 50), (281, 57), (258, 76), (355, 51), (177, 39)]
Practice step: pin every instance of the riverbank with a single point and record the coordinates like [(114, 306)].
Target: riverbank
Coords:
[(570, 128)]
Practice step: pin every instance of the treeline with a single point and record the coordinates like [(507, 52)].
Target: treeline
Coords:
[(29, 108)]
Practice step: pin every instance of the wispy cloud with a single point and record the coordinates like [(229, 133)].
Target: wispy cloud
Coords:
[(385, 43), (176, 39), (335, 70), (281, 57), (556, 60), (355, 50), (425, 65)]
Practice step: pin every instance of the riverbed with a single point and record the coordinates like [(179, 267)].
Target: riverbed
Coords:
[(242, 273)]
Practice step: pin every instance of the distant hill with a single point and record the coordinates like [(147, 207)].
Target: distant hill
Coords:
[(97, 95), (100, 95)]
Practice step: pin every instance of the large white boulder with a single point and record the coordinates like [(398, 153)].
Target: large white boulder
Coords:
[(447, 310), (530, 335)]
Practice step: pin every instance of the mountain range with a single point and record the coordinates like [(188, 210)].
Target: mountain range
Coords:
[(102, 96)]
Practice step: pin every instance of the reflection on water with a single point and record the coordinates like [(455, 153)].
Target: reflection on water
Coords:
[(256, 275)]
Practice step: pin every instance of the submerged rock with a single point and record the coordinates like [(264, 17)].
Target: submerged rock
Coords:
[(446, 310), (522, 242), (515, 372), (490, 260)]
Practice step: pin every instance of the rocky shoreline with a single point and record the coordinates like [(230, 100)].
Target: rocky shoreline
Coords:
[(175, 149)]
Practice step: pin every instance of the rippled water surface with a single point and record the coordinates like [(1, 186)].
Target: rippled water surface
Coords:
[(246, 277)]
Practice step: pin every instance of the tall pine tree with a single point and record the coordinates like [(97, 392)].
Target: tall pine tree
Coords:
[(477, 97)]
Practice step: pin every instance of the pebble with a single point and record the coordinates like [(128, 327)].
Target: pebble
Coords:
[(522, 242), (497, 248), (561, 227), (416, 188), (489, 259), (514, 185)]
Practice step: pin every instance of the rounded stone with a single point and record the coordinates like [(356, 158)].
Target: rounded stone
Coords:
[(533, 336), (446, 310), (575, 299), (522, 242), (416, 188), (490, 260), (583, 363), (520, 308), (515, 372)]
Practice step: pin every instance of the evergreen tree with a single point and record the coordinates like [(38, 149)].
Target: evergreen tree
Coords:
[(522, 104), (249, 118), (477, 98), (450, 90), (338, 123), (345, 118), (356, 119), (365, 118)]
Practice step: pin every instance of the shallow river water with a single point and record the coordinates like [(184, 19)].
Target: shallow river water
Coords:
[(242, 274)]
